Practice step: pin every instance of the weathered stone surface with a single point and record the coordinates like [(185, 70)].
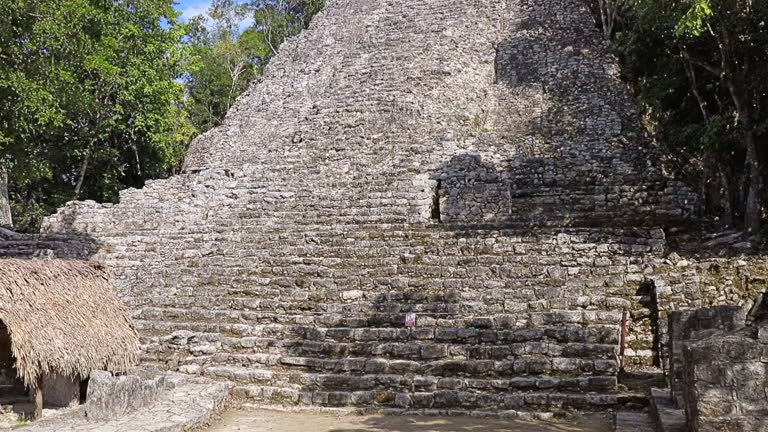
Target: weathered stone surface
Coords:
[(477, 162), (725, 381), (61, 391), (633, 421), (111, 396), (692, 325), (182, 404)]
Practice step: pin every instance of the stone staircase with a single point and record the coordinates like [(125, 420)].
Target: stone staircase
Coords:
[(295, 309), (361, 181)]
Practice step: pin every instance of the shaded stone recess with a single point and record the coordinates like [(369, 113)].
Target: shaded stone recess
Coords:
[(476, 162), (59, 245)]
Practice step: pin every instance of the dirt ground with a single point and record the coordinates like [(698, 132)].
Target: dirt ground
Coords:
[(263, 421)]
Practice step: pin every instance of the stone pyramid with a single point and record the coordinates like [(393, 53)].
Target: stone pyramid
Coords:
[(477, 163)]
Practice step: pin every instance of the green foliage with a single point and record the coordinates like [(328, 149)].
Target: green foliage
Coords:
[(88, 101), (220, 67), (276, 20), (225, 60), (700, 72), (694, 21), (100, 95)]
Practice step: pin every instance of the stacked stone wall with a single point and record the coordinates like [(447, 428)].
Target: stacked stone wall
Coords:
[(475, 162), (692, 325), (505, 319), (725, 382), (688, 283)]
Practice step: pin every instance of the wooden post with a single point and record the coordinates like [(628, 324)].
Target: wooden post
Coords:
[(623, 340), (39, 398)]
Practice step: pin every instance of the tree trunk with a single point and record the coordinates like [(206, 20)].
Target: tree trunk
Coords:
[(83, 170), (752, 209), (138, 160), (39, 398), (694, 85), (725, 197), (5, 203)]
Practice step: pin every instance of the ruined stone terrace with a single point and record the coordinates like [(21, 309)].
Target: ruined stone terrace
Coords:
[(476, 162)]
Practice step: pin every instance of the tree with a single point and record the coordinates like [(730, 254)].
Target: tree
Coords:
[(738, 29), (700, 69), (277, 20), (226, 58), (100, 95), (224, 61), (607, 13), (89, 104)]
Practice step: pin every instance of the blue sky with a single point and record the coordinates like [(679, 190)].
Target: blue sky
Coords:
[(190, 8)]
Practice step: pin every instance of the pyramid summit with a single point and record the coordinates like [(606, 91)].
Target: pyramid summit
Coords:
[(476, 163)]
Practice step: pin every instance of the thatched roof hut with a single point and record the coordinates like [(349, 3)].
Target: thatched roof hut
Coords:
[(64, 319)]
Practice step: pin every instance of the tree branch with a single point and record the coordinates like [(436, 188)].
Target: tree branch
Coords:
[(709, 68)]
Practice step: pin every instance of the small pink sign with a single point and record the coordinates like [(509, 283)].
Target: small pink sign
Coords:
[(410, 320)]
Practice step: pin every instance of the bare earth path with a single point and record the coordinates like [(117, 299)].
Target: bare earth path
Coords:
[(264, 421)]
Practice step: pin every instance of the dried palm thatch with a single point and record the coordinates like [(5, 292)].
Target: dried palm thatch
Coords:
[(64, 318)]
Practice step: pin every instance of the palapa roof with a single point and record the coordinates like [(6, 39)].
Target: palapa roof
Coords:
[(64, 317)]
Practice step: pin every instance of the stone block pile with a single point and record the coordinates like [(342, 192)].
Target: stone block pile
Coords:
[(718, 371), (726, 382), (693, 325)]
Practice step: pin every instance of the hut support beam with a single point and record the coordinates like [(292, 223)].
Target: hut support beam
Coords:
[(39, 398)]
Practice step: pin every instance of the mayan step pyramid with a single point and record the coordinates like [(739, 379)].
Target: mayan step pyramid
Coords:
[(477, 163)]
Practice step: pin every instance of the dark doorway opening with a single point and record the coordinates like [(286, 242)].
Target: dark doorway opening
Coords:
[(435, 214), (12, 388)]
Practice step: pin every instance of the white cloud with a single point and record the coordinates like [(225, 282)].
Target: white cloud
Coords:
[(193, 9), (196, 8)]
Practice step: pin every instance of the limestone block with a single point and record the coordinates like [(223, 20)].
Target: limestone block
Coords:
[(61, 391), (114, 396)]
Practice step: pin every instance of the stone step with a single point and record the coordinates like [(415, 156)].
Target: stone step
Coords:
[(486, 344), (375, 374), (407, 350), (665, 415), (519, 316), (244, 335), (376, 284), (435, 296), (633, 421), (362, 328), (385, 235), (303, 228), (406, 252), (456, 399), (562, 236)]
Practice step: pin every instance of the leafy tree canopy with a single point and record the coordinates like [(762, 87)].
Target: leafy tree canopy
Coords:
[(225, 59), (88, 101), (100, 95), (700, 71)]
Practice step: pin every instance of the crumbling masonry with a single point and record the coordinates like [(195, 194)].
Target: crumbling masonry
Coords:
[(476, 162)]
